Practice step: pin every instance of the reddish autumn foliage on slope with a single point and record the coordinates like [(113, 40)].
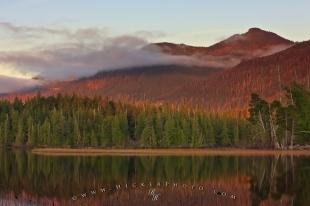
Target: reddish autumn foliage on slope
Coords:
[(211, 89), (254, 43)]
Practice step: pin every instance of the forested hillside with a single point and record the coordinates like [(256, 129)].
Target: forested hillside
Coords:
[(62, 121), (217, 87), (75, 121)]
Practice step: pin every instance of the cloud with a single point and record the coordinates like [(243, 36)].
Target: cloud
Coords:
[(149, 34), (71, 61), (9, 84), (273, 49), (63, 54), (81, 52), (78, 34)]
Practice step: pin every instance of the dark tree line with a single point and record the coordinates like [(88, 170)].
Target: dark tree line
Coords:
[(282, 124), (63, 121), (73, 121)]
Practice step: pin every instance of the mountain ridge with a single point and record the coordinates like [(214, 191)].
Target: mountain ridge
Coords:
[(254, 43), (205, 87)]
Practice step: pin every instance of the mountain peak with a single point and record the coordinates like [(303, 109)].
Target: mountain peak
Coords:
[(255, 29), (251, 44)]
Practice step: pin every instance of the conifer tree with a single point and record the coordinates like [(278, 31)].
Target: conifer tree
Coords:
[(169, 132), (197, 138), (210, 134), (19, 138), (6, 131), (1, 136), (236, 133), (31, 134), (148, 138), (224, 134), (76, 131), (117, 134)]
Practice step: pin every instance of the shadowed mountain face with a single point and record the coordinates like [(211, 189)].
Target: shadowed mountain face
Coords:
[(156, 83), (209, 88), (254, 43)]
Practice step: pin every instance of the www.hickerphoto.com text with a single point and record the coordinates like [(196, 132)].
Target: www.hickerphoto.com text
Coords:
[(151, 187)]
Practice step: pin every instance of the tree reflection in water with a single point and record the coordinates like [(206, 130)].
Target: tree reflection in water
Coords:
[(44, 180)]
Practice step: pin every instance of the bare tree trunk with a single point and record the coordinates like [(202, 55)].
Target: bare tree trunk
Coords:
[(261, 120), (273, 132), (293, 175), (273, 173), (293, 122)]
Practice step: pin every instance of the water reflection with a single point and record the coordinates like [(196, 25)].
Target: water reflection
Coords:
[(27, 179)]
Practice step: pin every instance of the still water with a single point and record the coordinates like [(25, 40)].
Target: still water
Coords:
[(27, 179)]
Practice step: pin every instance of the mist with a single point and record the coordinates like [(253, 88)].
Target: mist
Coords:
[(9, 84), (60, 54)]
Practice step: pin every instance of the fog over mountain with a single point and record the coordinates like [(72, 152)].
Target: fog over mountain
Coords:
[(61, 54)]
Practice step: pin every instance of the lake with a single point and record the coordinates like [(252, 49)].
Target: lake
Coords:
[(28, 179)]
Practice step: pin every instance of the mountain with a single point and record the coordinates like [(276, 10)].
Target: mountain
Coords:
[(209, 88), (156, 83), (266, 76), (254, 43)]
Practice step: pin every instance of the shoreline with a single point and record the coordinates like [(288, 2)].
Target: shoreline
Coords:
[(166, 152)]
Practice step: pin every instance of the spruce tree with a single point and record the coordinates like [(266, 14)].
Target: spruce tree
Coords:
[(6, 131), (148, 138), (105, 135), (19, 137), (236, 133), (76, 131), (93, 139), (117, 134), (1, 136), (224, 134), (31, 134), (169, 132), (197, 138), (210, 134)]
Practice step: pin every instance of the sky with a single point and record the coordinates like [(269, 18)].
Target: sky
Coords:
[(47, 36), (197, 22)]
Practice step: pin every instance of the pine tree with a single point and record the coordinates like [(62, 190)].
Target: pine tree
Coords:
[(1, 136), (159, 127), (224, 134), (123, 123), (93, 139), (197, 139), (31, 134), (236, 133), (105, 135), (210, 134), (169, 132), (6, 131), (148, 138), (186, 131), (117, 134), (45, 131), (19, 137), (139, 125), (76, 131)]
